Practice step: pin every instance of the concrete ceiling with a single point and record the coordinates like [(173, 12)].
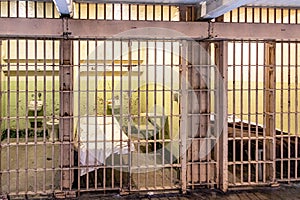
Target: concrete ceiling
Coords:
[(276, 3)]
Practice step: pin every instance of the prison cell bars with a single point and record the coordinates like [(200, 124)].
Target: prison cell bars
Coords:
[(263, 15), (17, 52)]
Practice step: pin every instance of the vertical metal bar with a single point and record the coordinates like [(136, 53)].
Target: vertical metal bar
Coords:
[(221, 106), (155, 114), (153, 13), (121, 111), (234, 111), (129, 111), (87, 92), (96, 108), (53, 113), (242, 111), (8, 9), (147, 110), (138, 12), (8, 114), (27, 118), (281, 110), (66, 110), (1, 106), (87, 11), (162, 125), (289, 109), (79, 114), (170, 13), (44, 92), (171, 110), (256, 113), (113, 108), (35, 9), (183, 118), (35, 113), (105, 110), (296, 108), (139, 112), (146, 13), (249, 111), (270, 80), (129, 12), (17, 119)]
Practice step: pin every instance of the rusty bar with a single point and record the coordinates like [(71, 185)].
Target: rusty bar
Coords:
[(18, 115), (87, 109), (147, 108), (122, 185), (270, 99), (104, 108), (8, 115), (1, 106), (172, 107), (113, 107), (35, 113), (221, 58), (129, 93), (53, 110), (296, 108), (139, 112), (289, 109), (27, 117), (234, 113), (256, 111), (79, 115), (249, 110), (66, 111), (155, 102), (163, 123), (281, 108), (242, 110), (44, 93)]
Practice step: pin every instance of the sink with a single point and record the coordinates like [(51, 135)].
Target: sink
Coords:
[(35, 105)]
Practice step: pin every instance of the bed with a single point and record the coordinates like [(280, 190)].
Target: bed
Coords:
[(98, 137)]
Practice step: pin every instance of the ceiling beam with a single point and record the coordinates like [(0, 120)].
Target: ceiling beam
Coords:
[(53, 28), (211, 9), (64, 7)]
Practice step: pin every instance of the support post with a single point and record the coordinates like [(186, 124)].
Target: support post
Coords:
[(221, 104), (269, 111), (198, 110), (66, 111), (183, 118)]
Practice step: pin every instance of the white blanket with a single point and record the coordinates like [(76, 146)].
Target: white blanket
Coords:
[(99, 137)]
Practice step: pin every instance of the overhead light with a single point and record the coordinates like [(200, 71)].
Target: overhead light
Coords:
[(64, 7)]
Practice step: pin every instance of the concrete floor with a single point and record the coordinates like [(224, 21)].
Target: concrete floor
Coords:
[(42, 161), (41, 157), (283, 192)]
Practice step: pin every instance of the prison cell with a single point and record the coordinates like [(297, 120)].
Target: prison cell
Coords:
[(29, 74), (263, 112), (129, 113)]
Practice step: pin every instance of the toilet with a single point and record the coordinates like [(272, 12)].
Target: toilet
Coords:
[(53, 133)]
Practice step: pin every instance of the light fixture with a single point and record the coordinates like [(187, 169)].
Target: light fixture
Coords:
[(64, 7)]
